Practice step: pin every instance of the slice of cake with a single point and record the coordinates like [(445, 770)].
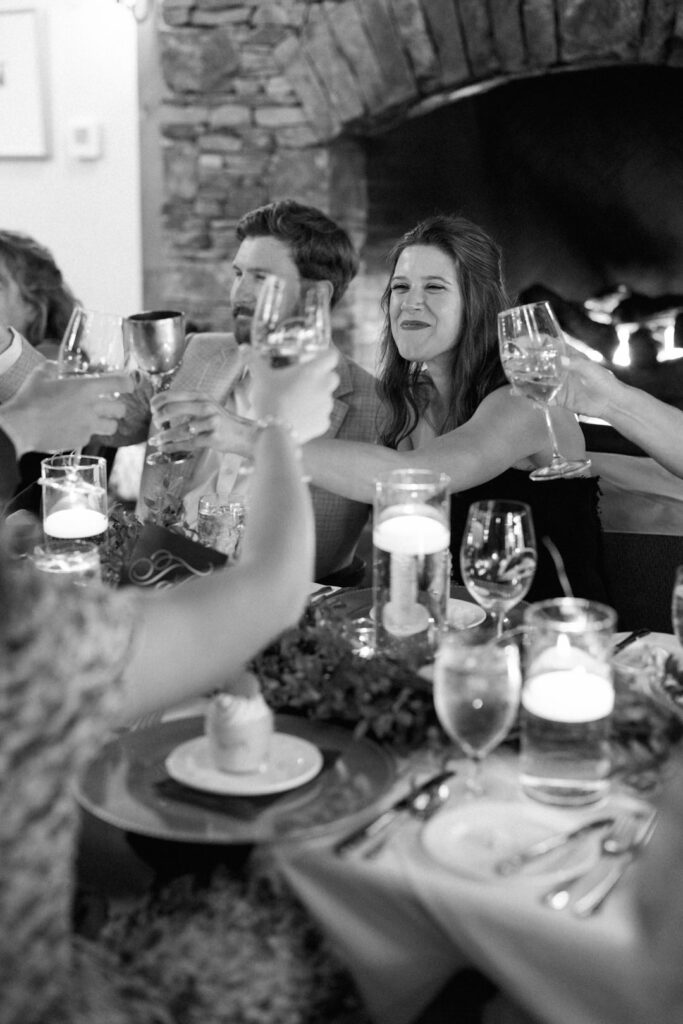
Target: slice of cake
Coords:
[(239, 727)]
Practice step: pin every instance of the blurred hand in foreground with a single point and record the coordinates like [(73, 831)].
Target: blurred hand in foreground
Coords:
[(300, 394), (48, 413)]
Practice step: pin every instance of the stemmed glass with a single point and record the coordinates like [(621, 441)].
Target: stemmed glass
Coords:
[(157, 340), (477, 683), (498, 555), (534, 356), (93, 345), (287, 339)]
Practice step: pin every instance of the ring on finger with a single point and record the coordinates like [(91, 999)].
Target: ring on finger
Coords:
[(192, 430)]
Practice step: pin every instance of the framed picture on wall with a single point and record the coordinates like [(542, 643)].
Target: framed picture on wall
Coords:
[(23, 123)]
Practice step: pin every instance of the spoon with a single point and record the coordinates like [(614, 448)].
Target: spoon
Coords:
[(422, 806)]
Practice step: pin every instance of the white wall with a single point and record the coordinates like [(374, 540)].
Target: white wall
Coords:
[(86, 212)]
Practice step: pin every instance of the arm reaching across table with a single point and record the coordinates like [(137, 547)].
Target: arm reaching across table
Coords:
[(50, 414), (301, 397), (593, 390)]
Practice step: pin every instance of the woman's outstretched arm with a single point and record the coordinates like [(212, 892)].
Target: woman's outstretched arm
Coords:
[(505, 430)]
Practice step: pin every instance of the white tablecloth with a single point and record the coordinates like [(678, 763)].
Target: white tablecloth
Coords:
[(404, 924)]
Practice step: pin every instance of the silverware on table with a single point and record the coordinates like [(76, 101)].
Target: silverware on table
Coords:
[(515, 861), (624, 835), (377, 825), (591, 900)]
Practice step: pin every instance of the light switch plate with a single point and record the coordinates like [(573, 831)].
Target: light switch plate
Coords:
[(84, 138)]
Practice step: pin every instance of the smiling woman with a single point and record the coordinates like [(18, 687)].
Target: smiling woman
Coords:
[(449, 408)]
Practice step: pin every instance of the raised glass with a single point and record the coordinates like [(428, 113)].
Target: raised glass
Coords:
[(287, 336), (93, 345), (534, 356)]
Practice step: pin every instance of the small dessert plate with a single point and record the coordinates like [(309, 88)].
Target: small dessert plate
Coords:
[(292, 762)]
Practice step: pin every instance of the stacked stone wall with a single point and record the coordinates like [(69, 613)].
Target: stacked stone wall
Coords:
[(274, 98)]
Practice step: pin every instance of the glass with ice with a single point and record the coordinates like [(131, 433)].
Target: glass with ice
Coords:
[(411, 560), (567, 701)]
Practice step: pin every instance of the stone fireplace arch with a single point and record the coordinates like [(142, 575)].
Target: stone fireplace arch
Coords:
[(289, 98)]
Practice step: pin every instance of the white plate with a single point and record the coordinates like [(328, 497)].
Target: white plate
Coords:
[(292, 762), (462, 614), (472, 838)]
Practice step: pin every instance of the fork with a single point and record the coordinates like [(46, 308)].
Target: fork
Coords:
[(590, 901), (620, 838)]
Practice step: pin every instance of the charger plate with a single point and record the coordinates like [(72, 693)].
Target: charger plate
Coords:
[(127, 785)]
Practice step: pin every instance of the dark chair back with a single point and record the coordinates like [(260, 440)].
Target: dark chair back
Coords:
[(639, 570)]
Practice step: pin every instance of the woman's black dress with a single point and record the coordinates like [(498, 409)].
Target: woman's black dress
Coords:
[(564, 510)]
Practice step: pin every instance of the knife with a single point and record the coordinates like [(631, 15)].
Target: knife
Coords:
[(377, 825), (516, 861)]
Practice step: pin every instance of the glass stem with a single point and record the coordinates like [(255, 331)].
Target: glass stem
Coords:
[(557, 457), (475, 784)]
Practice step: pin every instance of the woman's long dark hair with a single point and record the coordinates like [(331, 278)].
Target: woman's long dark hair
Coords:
[(476, 369)]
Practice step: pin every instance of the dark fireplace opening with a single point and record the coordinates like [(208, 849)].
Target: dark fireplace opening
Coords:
[(578, 175)]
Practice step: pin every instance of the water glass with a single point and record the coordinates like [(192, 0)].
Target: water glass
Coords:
[(220, 524), (74, 497), (477, 680), (411, 560), (74, 561), (567, 701)]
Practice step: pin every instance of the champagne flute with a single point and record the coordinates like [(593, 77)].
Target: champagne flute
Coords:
[(477, 683), (93, 345), (498, 555), (533, 353)]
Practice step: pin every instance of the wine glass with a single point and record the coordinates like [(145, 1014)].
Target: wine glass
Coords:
[(534, 356), (498, 555), (477, 683), (93, 345), (286, 340), (157, 340)]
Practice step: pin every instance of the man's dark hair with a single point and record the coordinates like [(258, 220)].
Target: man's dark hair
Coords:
[(321, 250)]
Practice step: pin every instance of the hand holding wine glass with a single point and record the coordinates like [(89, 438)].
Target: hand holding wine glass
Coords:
[(498, 555), (534, 356), (477, 683)]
